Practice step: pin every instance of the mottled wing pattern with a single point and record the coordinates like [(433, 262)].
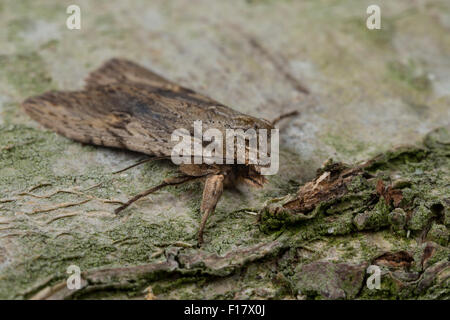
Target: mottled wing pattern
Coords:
[(110, 115), (127, 106), (117, 71)]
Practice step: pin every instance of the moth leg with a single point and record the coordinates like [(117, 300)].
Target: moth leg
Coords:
[(167, 182), (139, 163), (211, 194)]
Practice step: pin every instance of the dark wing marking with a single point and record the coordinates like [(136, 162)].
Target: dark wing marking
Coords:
[(127, 106), (122, 71), (109, 116), (134, 117), (118, 71)]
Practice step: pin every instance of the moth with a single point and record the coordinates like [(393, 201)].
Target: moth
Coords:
[(127, 106)]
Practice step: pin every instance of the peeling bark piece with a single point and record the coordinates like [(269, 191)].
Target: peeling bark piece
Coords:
[(328, 186), (390, 195), (333, 182), (213, 264), (436, 281), (399, 259), (339, 189), (104, 279), (177, 262), (428, 253)]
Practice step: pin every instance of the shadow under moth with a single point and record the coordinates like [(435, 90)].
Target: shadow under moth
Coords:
[(124, 105)]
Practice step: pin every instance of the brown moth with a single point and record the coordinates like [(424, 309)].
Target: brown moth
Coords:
[(124, 105)]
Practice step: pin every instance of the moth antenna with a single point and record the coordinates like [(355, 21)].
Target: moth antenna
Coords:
[(284, 116), (167, 182), (211, 194), (139, 163)]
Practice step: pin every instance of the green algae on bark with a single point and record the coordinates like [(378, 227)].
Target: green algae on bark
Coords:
[(372, 89), (322, 255), (419, 177)]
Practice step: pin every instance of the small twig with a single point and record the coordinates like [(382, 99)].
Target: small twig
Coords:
[(72, 191), (63, 216), (13, 235), (180, 244), (60, 206), (45, 184), (7, 200), (157, 253), (112, 201), (123, 240), (62, 234), (26, 193), (94, 186)]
